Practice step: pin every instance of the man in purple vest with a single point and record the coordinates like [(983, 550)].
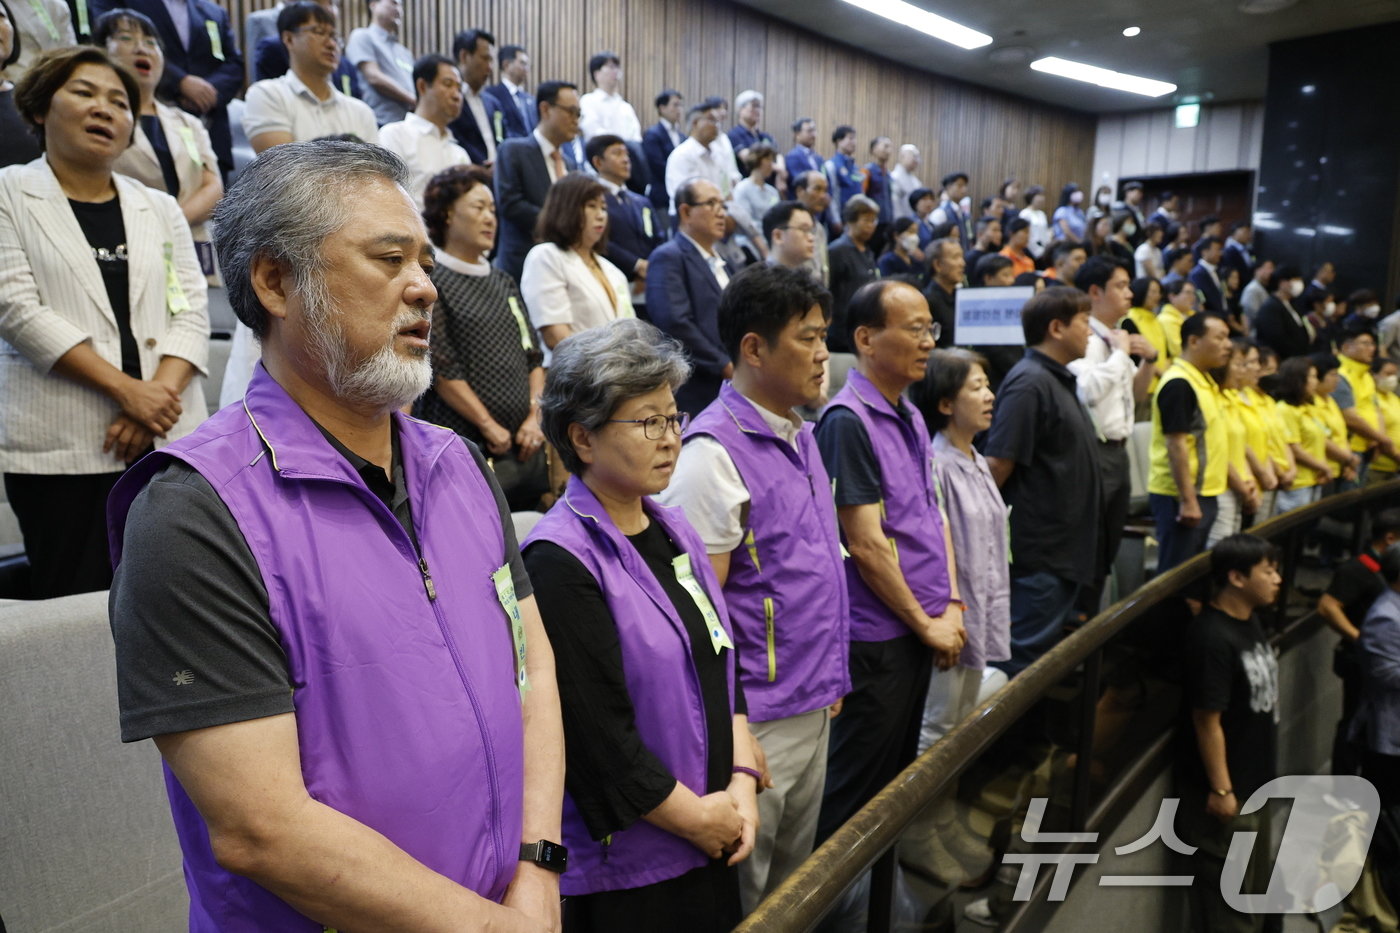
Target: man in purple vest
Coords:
[(905, 614), (752, 483), (319, 609)]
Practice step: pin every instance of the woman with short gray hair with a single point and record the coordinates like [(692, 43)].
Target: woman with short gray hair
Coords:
[(661, 782)]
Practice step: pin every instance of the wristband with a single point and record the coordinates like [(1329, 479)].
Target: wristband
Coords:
[(758, 778)]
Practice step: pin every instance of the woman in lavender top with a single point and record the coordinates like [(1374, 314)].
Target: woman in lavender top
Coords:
[(956, 401)]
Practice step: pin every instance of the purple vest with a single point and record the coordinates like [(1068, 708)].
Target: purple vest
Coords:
[(786, 589), (908, 513), (661, 680), (408, 716)]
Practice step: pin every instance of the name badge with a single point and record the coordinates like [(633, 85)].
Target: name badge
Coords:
[(525, 343), (500, 130), (646, 221), (719, 638), (505, 592), (84, 28), (191, 146), (175, 300), (345, 85), (216, 42)]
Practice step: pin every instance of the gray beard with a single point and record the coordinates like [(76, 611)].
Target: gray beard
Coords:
[(386, 380)]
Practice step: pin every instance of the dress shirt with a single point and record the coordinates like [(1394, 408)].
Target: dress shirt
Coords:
[(522, 100), (1104, 382), (673, 130), (424, 147), (287, 105), (707, 485), (1253, 296), (692, 160), (1040, 231), (712, 259), (179, 12), (547, 149), (478, 110), (1149, 260), (608, 113)]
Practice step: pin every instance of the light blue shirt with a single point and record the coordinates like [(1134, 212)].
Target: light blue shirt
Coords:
[(1377, 721), (179, 11)]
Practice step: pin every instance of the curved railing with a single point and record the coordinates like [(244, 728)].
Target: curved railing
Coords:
[(866, 841)]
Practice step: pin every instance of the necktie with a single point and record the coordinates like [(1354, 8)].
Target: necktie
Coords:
[(522, 100), (558, 159)]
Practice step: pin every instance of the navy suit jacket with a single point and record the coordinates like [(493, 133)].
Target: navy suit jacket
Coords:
[(1214, 301), (799, 160), (468, 134), (511, 118), (522, 181), (630, 217), (226, 73), (683, 300), (657, 146)]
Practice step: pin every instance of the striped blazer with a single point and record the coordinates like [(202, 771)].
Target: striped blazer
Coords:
[(52, 299)]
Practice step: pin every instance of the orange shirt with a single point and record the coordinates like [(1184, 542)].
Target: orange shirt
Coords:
[(1021, 263)]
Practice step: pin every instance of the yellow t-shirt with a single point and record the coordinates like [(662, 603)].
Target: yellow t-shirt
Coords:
[(1363, 391), (1214, 436), (1151, 330), (1389, 405), (1330, 413), (1230, 406), (1256, 431), (1273, 422), (1303, 426), (1171, 320)]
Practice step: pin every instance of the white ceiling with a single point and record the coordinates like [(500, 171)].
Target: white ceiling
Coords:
[(1209, 48)]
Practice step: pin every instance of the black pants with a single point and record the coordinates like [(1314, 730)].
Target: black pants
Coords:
[(1113, 513), (64, 522), (877, 732), (703, 900)]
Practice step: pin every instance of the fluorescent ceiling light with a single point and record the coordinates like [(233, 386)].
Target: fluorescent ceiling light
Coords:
[(1093, 74), (1132, 31), (930, 24)]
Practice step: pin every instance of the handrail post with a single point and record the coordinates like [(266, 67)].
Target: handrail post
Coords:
[(1088, 719), (880, 912)]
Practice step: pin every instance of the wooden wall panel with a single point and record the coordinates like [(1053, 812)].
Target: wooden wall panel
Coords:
[(705, 47)]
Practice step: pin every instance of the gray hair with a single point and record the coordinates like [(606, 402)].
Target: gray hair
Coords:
[(745, 97), (284, 205), (595, 371)]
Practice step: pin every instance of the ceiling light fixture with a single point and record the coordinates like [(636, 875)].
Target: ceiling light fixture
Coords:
[(1093, 74), (1132, 31), (930, 24)]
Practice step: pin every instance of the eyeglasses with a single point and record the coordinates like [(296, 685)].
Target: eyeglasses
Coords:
[(922, 332), (140, 42), (810, 231), (574, 112), (655, 427), (320, 32), (716, 203)]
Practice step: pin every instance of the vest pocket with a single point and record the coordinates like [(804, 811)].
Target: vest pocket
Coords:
[(771, 638)]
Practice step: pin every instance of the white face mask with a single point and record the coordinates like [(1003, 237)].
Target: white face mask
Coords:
[(1330, 308), (1129, 229), (910, 242), (1077, 197), (1371, 311), (1387, 383), (1295, 288), (1104, 200)]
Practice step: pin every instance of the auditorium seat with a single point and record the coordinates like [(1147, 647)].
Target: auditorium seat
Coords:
[(89, 846)]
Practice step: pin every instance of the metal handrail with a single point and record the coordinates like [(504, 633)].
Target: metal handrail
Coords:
[(810, 892)]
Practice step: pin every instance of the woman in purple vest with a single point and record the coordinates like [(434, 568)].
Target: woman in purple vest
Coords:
[(661, 786)]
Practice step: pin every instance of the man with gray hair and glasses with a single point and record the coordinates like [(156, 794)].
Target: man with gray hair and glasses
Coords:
[(320, 612)]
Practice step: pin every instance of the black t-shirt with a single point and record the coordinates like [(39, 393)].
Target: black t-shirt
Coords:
[(1180, 411), (612, 777), (190, 597), (1230, 667), (1054, 492), (848, 456), (150, 125), (106, 234), (1356, 584)]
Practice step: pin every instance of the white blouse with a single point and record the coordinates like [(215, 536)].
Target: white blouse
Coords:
[(560, 288)]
